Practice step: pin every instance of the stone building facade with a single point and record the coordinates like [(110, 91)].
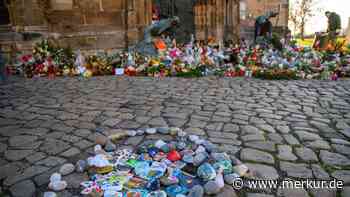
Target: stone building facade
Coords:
[(181, 8), (204, 19), (87, 24), (101, 24), (217, 19)]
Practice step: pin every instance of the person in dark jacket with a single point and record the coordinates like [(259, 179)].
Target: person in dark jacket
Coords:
[(334, 26), (2, 66), (263, 25)]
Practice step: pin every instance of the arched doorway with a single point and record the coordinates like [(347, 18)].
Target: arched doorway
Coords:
[(4, 14)]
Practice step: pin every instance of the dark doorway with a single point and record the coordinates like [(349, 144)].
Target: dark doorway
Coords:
[(4, 14), (184, 10)]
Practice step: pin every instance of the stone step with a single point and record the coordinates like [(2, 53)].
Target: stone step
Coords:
[(26, 46), (5, 28), (10, 36), (36, 29), (98, 28)]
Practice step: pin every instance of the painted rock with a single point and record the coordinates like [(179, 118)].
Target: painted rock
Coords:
[(163, 130), (174, 156), (242, 169), (196, 191), (175, 190), (206, 172), (200, 158), (225, 165), (157, 194), (67, 169), (211, 187), (151, 131), (153, 151), (159, 144), (101, 140), (81, 166), (57, 185)]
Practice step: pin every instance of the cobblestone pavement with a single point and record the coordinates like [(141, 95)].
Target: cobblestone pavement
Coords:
[(280, 129)]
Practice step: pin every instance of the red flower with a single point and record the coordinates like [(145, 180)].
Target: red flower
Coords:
[(39, 68), (241, 73), (230, 74), (26, 58), (162, 73)]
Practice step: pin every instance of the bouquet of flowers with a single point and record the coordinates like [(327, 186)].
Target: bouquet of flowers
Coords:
[(27, 65), (48, 52)]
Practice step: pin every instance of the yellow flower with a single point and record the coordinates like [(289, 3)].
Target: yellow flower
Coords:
[(66, 71), (154, 62), (87, 73)]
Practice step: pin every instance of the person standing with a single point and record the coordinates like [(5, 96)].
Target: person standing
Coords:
[(334, 26), (263, 25), (2, 66)]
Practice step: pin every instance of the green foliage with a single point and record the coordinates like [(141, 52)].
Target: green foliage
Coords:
[(276, 42), (276, 74), (63, 57), (197, 72), (153, 69), (219, 72), (347, 49)]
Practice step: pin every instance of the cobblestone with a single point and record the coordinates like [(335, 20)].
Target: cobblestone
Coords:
[(331, 159), (295, 129), (285, 153), (319, 172), (296, 170), (343, 175), (263, 171), (249, 154), (16, 155), (23, 189)]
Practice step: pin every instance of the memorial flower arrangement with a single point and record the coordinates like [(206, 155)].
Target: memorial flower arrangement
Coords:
[(27, 65), (47, 59), (261, 61)]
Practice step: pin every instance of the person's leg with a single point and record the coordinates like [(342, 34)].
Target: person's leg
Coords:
[(269, 29), (316, 42), (2, 72), (332, 37), (2, 68), (257, 31)]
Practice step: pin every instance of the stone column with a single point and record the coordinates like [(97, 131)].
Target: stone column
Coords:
[(236, 20), (143, 11), (220, 22), (126, 23), (148, 12), (207, 14)]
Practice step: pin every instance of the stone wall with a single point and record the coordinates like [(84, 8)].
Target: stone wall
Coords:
[(85, 24), (218, 19), (98, 24), (184, 10)]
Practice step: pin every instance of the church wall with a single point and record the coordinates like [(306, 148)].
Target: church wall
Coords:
[(101, 23), (86, 24), (217, 19)]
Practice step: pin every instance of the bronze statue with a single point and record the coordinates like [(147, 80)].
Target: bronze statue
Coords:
[(146, 46)]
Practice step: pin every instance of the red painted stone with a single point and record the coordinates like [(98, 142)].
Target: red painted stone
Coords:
[(174, 155)]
